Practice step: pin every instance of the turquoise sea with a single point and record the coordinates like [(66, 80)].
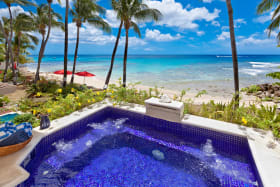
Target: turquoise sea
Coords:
[(173, 71)]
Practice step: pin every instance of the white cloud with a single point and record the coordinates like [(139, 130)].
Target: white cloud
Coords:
[(207, 1), (200, 33), (174, 15), (88, 34), (215, 23), (111, 18), (157, 36), (133, 41), (264, 18), (63, 3), (4, 12), (223, 36), (259, 39), (239, 22)]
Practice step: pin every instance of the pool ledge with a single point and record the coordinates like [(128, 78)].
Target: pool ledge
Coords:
[(265, 149)]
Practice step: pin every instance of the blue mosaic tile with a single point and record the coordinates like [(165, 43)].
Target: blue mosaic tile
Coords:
[(224, 143)]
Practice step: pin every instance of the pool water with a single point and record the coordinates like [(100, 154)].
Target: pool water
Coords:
[(117, 149), (8, 117)]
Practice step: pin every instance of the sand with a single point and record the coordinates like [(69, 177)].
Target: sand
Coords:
[(220, 96)]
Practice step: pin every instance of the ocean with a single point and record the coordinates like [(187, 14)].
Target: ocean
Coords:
[(173, 71)]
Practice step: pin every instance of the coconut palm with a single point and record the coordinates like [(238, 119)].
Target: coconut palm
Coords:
[(8, 4), (65, 44), (266, 6), (44, 18), (26, 43), (130, 10), (234, 53), (5, 30), (86, 11), (23, 24), (116, 4)]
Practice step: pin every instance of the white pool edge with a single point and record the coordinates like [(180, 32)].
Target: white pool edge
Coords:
[(268, 175)]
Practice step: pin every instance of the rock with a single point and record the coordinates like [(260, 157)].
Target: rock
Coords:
[(262, 87), (267, 94), (276, 88), (257, 93), (277, 94), (271, 91)]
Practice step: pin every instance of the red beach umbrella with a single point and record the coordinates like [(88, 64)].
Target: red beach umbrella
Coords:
[(61, 72), (85, 74)]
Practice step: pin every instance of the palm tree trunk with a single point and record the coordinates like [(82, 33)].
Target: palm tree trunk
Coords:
[(113, 57), (76, 54), (10, 44), (6, 51), (66, 44), (43, 45), (41, 52), (18, 51), (125, 58), (234, 53), (7, 62)]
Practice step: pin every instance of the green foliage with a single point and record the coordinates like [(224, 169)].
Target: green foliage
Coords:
[(44, 86), (4, 100), (274, 75), (251, 89), (62, 103), (25, 118), (200, 93), (129, 94)]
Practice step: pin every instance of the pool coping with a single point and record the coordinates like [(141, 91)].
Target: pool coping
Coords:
[(267, 159)]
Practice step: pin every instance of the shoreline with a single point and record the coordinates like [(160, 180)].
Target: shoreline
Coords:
[(221, 95)]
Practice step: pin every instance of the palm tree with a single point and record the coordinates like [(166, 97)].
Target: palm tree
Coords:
[(234, 53), (5, 30), (66, 44), (26, 43), (134, 9), (86, 11), (23, 24), (44, 18), (117, 7), (266, 6), (9, 3)]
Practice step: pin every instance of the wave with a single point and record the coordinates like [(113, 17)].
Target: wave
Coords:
[(252, 72), (264, 64)]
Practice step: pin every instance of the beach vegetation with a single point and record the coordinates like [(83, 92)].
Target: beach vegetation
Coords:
[(25, 118), (274, 75), (251, 89), (4, 100), (86, 11)]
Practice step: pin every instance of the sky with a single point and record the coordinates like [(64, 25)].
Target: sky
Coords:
[(187, 27)]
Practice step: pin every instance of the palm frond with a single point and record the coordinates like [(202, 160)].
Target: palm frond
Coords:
[(99, 23), (266, 5), (135, 28)]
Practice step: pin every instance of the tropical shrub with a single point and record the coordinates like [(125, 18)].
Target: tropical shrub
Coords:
[(4, 100), (25, 118), (251, 89)]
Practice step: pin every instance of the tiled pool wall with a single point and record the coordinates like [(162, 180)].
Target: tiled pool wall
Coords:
[(225, 142)]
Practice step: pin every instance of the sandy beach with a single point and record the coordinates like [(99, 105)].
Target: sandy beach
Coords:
[(219, 95)]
